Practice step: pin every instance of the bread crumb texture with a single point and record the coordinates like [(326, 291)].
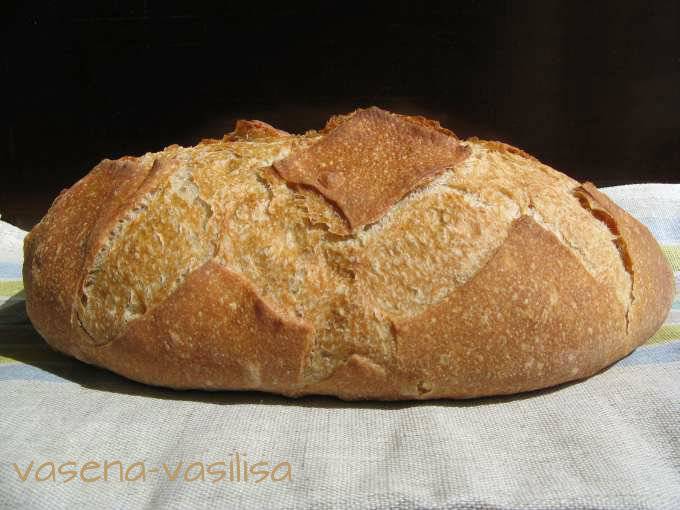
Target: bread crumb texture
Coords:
[(381, 257)]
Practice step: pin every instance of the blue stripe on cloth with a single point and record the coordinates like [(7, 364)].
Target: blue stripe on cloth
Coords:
[(24, 372), (10, 270), (67, 370), (652, 354)]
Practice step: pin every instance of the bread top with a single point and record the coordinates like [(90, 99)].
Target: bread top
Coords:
[(334, 253)]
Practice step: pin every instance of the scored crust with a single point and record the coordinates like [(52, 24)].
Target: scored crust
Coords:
[(653, 283), (252, 130), (229, 337), (514, 331), (370, 160), (56, 249), (209, 267)]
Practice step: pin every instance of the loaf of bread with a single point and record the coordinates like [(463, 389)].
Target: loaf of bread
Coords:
[(379, 258)]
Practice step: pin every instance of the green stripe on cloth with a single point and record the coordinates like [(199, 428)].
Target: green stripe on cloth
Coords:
[(667, 333), (40, 356), (10, 287), (672, 253)]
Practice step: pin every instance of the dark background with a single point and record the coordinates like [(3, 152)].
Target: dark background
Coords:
[(591, 88)]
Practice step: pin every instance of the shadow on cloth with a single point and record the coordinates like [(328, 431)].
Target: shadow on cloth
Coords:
[(20, 341)]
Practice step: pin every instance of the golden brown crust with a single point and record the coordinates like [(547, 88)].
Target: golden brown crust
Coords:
[(653, 283), (505, 147), (57, 248), (515, 333), (336, 120), (113, 210), (229, 337), (367, 163), (253, 130), (201, 267), (359, 378)]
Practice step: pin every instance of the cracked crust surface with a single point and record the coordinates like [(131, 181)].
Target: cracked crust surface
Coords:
[(204, 267)]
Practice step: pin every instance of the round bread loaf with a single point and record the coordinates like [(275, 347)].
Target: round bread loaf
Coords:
[(378, 258)]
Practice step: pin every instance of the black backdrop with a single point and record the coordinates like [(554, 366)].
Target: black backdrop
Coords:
[(591, 88)]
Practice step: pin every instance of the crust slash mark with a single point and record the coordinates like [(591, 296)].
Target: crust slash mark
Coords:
[(588, 203), (370, 161), (165, 178), (113, 235)]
